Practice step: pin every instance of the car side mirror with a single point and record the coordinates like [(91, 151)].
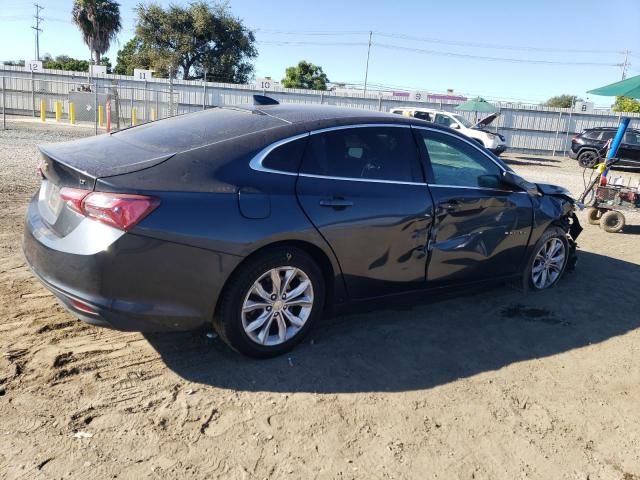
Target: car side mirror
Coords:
[(490, 181), (455, 126), (518, 183)]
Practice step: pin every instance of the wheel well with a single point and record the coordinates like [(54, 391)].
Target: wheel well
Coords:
[(587, 149), (321, 258)]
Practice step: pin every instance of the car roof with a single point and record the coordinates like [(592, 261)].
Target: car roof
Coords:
[(256, 125), (293, 113), (421, 109), (609, 129)]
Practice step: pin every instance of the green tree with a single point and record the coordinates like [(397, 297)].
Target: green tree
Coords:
[(562, 101), (133, 55), (305, 75), (99, 22), (192, 41), (65, 62), (626, 104)]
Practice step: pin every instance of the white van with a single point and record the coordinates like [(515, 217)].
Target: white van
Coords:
[(491, 141)]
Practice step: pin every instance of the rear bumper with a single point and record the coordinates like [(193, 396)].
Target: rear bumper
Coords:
[(499, 149), (136, 283)]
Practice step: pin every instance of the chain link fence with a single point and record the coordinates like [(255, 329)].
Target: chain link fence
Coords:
[(113, 102), (100, 103)]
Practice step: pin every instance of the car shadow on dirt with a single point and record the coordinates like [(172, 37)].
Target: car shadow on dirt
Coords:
[(412, 346)]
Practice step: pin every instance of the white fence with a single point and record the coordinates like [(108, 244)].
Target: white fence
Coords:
[(527, 128)]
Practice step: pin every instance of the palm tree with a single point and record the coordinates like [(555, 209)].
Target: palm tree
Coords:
[(99, 22)]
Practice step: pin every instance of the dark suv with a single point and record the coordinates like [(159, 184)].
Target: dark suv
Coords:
[(586, 147)]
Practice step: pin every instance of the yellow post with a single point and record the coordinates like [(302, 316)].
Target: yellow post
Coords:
[(153, 114), (58, 111), (100, 115), (72, 113), (133, 117), (43, 110)]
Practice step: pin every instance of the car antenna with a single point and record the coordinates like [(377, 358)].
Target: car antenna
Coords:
[(264, 100)]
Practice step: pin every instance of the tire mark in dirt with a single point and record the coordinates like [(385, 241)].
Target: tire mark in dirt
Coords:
[(57, 326)]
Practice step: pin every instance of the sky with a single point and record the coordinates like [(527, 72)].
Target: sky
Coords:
[(416, 44)]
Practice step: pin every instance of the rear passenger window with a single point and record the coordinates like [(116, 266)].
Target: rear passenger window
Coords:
[(592, 135), (286, 157), (632, 138), (376, 153), (607, 135)]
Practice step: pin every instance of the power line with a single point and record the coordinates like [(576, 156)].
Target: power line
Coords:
[(443, 53), (328, 44), (492, 46), (37, 28), (625, 65), (492, 59), (434, 40), (366, 72), (312, 32)]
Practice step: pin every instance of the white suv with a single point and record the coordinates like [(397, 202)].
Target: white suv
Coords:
[(491, 141)]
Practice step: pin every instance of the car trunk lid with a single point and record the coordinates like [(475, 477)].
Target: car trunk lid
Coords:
[(77, 165)]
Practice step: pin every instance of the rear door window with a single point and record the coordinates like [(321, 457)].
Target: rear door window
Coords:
[(632, 138), (593, 135), (286, 157), (606, 135), (375, 153)]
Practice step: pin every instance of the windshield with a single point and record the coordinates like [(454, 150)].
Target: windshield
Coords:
[(463, 121)]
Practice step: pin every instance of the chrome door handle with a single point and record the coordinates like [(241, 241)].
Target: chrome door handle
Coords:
[(336, 203), (451, 206)]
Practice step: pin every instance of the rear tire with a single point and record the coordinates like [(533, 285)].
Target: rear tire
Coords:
[(255, 317), (594, 215), (612, 221), (588, 159)]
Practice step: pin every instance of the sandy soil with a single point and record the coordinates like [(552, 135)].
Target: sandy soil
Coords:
[(494, 385)]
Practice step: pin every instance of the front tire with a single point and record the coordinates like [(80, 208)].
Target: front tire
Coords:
[(588, 159), (270, 303), (548, 261)]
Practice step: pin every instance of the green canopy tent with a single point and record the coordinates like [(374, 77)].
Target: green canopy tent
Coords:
[(478, 105), (629, 87)]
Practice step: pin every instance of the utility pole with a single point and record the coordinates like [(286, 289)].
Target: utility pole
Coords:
[(37, 28), (366, 72), (625, 64)]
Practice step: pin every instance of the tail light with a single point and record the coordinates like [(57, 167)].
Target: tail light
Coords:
[(83, 307), (119, 210)]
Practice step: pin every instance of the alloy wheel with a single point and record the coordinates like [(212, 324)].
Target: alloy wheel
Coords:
[(277, 306), (548, 263)]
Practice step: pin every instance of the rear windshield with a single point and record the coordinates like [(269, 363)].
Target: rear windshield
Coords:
[(196, 129)]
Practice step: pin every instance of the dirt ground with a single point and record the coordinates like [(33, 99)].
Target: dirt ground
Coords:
[(495, 385)]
